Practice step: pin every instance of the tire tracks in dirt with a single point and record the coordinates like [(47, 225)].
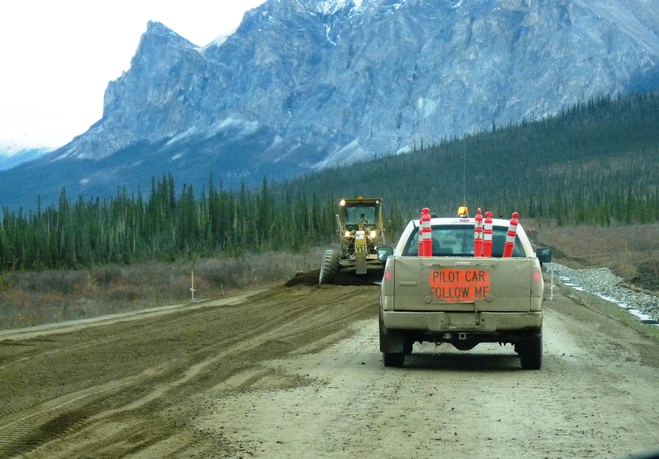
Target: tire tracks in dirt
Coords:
[(138, 375)]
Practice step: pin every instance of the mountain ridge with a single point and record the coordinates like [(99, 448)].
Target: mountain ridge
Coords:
[(187, 61), (304, 85)]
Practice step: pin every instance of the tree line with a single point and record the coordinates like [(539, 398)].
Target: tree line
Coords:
[(166, 225)]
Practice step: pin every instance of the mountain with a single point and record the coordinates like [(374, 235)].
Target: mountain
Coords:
[(306, 84), (13, 154)]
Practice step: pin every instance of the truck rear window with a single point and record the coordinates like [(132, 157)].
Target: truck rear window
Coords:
[(458, 241)]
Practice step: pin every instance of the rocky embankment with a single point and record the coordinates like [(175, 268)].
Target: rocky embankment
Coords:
[(602, 282)]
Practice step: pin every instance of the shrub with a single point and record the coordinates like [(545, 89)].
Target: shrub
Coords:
[(51, 281)]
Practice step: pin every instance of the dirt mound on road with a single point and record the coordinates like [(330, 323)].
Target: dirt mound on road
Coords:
[(310, 278)]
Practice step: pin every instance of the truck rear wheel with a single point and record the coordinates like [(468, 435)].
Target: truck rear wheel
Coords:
[(394, 359), (408, 346), (530, 352), (329, 267)]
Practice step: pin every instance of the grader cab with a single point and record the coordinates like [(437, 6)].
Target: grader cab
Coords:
[(361, 232)]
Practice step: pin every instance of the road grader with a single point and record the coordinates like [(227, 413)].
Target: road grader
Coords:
[(361, 232)]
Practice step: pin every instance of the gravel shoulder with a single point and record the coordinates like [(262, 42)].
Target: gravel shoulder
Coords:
[(295, 372)]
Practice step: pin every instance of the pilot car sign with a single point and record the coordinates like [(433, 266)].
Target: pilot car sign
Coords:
[(453, 285)]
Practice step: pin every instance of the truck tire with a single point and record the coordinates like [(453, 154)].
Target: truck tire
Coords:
[(530, 352), (392, 345), (329, 267), (394, 359), (408, 346)]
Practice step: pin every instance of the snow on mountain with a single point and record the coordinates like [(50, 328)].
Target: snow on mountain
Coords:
[(13, 154), (332, 6), (17, 148), (14, 143)]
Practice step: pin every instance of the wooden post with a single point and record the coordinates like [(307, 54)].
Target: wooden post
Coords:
[(192, 289)]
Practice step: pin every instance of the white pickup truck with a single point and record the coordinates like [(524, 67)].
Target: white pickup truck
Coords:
[(452, 296)]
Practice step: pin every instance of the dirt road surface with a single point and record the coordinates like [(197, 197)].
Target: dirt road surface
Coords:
[(295, 372)]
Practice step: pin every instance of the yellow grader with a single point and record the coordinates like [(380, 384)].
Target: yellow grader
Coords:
[(361, 233)]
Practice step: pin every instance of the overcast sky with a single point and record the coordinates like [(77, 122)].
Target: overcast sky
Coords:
[(57, 56)]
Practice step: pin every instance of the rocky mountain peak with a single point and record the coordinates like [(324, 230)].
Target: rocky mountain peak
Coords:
[(306, 84)]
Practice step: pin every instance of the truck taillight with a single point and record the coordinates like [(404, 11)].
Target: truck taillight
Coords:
[(537, 284), (388, 280)]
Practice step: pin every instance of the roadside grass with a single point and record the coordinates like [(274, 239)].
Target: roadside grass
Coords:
[(39, 297), (630, 320), (615, 312)]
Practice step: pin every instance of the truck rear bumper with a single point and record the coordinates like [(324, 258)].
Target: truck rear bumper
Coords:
[(483, 322)]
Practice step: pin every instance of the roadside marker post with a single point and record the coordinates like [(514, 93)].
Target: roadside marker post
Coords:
[(192, 289), (551, 280)]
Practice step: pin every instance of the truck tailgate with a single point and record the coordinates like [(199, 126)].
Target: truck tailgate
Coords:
[(462, 284)]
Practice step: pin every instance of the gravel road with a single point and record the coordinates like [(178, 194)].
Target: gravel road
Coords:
[(295, 372)]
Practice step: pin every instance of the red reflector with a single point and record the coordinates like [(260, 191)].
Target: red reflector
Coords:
[(387, 275), (537, 276)]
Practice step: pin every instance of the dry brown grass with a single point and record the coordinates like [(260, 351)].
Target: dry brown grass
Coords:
[(621, 248), (34, 298)]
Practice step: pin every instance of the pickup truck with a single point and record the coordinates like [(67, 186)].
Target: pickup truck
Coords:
[(452, 296)]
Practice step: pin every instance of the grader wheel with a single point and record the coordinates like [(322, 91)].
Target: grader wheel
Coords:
[(330, 267)]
